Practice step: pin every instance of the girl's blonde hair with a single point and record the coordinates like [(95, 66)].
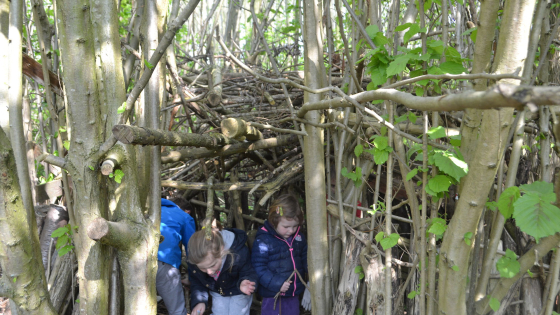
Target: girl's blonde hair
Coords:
[(286, 206), (200, 247)]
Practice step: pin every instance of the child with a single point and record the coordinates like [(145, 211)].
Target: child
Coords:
[(222, 267), (278, 250)]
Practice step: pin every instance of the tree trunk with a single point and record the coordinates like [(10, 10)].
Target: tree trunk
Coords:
[(315, 197), (23, 277)]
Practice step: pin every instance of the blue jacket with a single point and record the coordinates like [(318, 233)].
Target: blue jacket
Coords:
[(176, 227), (231, 275), (274, 260)]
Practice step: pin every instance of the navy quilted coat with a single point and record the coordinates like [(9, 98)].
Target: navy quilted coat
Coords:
[(231, 276), (274, 260)]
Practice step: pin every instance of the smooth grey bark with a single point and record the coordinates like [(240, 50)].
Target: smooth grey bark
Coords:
[(510, 54), (315, 198), (23, 279), (15, 100), (76, 37), (4, 62)]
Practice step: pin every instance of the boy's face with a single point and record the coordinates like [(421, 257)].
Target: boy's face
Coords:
[(287, 227)]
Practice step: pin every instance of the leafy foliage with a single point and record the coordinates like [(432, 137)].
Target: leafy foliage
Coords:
[(506, 201), (64, 241), (387, 242), (534, 212), (507, 265)]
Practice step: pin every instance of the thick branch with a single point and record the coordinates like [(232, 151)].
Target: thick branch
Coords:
[(198, 153), (117, 234), (237, 128), (145, 136), (52, 159), (501, 95)]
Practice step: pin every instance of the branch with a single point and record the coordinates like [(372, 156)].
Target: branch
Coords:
[(267, 126), (501, 95), (526, 262), (198, 153), (146, 136), (472, 76), (116, 234), (216, 208), (166, 40), (52, 159)]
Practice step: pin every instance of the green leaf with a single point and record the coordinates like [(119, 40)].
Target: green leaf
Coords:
[(455, 268), (65, 250), (358, 150), (359, 311), (379, 236), (61, 241), (468, 238), (403, 27), (118, 176), (419, 91), (494, 304), (61, 129), (380, 39), (437, 132), (378, 77), (14, 279), (492, 205), (381, 142), (66, 144), (412, 294), (411, 174), (535, 215), (455, 140), (91, 167), (372, 30), (508, 266), (439, 183), (413, 30), (59, 232), (390, 241), (452, 67), (448, 163), (148, 64), (412, 117), (530, 273), (438, 226), (400, 119), (398, 65), (506, 201), (358, 269), (539, 187), (380, 156), (121, 108), (473, 35)]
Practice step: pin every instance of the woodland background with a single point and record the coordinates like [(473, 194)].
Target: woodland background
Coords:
[(430, 127)]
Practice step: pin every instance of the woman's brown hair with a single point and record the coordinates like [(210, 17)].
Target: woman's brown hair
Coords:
[(286, 206)]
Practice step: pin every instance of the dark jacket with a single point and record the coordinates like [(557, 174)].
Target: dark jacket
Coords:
[(274, 260), (231, 275)]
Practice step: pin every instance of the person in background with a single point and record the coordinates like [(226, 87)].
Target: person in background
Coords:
[(278, 251), (176, 227), (221, 266)]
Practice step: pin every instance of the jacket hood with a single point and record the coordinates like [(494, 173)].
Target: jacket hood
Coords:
[(238, 242)]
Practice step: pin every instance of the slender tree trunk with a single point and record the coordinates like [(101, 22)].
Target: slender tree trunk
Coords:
[(315, 75), (4, 62)]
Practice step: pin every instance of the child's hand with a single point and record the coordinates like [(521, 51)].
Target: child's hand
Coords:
[(198, 309), (285, 286), (247, 287)]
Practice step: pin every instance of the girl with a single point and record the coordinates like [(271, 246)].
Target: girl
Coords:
[(222, 267), (278, 250)]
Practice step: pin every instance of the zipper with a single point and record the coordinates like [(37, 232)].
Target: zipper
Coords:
[(291, 256)]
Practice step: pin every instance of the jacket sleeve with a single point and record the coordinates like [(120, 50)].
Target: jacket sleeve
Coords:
[(199, 293), (246, 271), (260, 257)]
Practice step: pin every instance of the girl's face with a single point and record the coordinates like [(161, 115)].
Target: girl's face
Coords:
[(287, 227), (210, 265)]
